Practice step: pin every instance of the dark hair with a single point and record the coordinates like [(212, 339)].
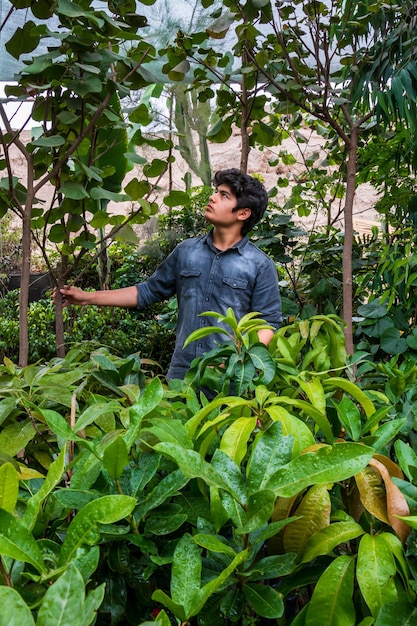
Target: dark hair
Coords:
[(249, 191)]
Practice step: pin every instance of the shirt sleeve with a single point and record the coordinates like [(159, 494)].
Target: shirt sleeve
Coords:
[(266, 298), (161, 285)]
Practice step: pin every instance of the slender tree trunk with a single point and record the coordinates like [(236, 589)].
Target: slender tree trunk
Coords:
[(348, 240), (25, 281)]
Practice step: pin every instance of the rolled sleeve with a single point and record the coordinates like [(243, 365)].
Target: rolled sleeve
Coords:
[(266, 298)]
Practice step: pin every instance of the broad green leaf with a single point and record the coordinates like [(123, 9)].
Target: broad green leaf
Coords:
[(167, 487), (186, 573), (292, 425), (234, 441), (9, 487), (313, 513), (115, 457), (51, 141), (375, 571), (58, 424), (53, 477), (169, 429), (94, 412), (259, 511), (353, 390), (264, 600), (271, 567), (193, 465), (18, 543), (65, 599), (325, 540), (148, 401), (14, 610), (349, 417), (15, 437), (231, 474), (407, 458), (402, 612), (319, 417), (332, 601), (270, 451), (325, 465), (314, 391), (213, 544), (7, 406), (84, 527)]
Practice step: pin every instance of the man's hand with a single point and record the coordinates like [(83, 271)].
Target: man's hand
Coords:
[(72, 295)]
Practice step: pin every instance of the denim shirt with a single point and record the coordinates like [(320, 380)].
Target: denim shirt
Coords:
[(207, 279)]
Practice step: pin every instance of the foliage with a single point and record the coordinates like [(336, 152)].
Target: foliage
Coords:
[(133, 500)]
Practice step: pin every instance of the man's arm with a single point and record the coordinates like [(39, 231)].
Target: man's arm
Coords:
[(126, 297)]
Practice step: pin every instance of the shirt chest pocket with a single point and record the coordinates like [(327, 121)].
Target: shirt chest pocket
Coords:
[(190, 280), (235, 293)]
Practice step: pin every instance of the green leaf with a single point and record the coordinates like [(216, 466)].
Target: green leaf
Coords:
[(264, 600), (327, 464), (94, 412), (270, 451), (349, 417), (293, 426), (259, 511), (148, 401), (186, 573), (193, 465), (176, 198), (213, 544), (116, 457), (84, 527), (65, 599), (15, 437), (58, 424), (167, 487), (23, 40), (234, 441), (352, 389), (375, 571), (14, 610), (9, 487), (51, 141), (331, 603), (53, 477), (18, 543), (325, 540), (74, 191)]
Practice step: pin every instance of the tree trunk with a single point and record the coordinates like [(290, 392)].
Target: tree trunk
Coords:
[(25, 281), (348, 239)]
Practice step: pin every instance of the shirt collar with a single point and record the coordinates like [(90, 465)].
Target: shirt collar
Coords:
[(239, 246)]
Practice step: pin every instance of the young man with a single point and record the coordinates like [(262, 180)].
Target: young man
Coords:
[(209, 273)]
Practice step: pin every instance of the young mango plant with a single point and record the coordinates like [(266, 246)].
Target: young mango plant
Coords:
[(242, 359)]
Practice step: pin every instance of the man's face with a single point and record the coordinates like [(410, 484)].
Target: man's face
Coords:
[(219, 210)]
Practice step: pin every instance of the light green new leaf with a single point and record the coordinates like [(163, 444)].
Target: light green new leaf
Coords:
[(353, 390), (331, 603), (213, 544), (9, 487), (375, 571), (14, 610), (234, 441), (53, 477), (64, 601), (18, 543), (270, 451), (84, 527), (327, 464), (292, 425), (116, 457), (325, 540), (264, 600)]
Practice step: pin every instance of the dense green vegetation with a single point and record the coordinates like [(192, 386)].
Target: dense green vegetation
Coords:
[(274, 485)]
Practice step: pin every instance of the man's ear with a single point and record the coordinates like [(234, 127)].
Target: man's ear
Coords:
[(244, 214)]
